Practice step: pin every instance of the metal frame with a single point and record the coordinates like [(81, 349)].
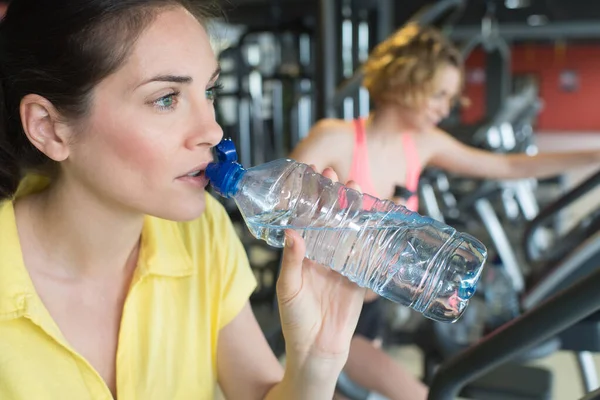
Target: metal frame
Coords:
[(498, 62), (479, 200), (595, 395), (431, 14), (498, 77), (385, 14), (546, 216), (587, 370), (488, 216), (327, 56), (552, 31), (542, 323), (555, 279), (430, 203)]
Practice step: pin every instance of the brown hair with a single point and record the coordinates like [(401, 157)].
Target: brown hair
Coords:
[(402, 68)]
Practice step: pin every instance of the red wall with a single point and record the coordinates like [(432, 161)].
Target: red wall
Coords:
[(562, 110)]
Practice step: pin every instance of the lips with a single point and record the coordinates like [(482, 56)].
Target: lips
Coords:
[(195, 172)]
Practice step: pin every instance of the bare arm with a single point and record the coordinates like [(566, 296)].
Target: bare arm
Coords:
[(247, 368), (322, 145), (451, 155)]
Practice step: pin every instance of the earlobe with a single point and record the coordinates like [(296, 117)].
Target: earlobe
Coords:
[(42, 127)]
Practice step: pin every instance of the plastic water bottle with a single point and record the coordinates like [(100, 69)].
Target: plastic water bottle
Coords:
[(405, 257)]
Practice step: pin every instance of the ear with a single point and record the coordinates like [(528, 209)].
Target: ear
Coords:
[(44, 128)]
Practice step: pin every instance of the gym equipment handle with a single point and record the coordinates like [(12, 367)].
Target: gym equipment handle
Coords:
[(549, 212), (541, 323)]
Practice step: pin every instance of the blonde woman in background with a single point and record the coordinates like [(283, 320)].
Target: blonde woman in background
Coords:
[(414, 78)]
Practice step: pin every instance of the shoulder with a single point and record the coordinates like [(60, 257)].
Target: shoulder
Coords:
[(324, 135), (432, 143), (436, 139), (332, 127), (436, 133)]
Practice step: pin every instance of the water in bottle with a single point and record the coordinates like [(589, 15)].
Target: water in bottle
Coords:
[(403, 256)]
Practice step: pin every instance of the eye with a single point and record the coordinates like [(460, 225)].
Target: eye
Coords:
[(213, 91), (167, 102)]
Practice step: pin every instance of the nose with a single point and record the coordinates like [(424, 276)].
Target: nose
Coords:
[(205, 130)]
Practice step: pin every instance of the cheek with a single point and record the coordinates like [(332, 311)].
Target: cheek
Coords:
[(128, 146), (431, 106), (134, 149)]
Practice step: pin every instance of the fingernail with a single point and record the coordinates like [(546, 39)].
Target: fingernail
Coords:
[(289, 241)]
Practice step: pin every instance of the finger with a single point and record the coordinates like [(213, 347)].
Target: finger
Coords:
[(330, 174), (290, 277), (353, 185), (358, 201)]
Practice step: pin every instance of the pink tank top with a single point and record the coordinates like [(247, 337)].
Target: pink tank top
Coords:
[(361, 173)]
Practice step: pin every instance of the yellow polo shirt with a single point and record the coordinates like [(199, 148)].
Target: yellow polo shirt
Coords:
[(191, 280)]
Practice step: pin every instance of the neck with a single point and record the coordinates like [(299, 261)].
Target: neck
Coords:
[(79, 234), (387, 121)]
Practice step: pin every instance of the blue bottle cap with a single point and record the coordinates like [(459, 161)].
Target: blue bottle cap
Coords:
[(226, 173), (225, 151), (468, 286)]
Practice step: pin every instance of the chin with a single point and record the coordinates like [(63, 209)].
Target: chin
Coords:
[(427, 126)]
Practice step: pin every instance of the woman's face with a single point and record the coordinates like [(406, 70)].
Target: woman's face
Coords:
[(148, 137), (445, 88)]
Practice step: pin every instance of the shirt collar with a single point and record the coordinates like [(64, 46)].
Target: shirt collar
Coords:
[(162, 253), (16, 287)]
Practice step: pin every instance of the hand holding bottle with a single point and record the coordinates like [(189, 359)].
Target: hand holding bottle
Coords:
[(319, 307)]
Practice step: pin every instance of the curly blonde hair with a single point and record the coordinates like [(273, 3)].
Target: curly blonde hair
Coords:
[(401, 69)]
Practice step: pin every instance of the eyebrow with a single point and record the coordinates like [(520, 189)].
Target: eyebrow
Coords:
[(215, 73), (178, 78)]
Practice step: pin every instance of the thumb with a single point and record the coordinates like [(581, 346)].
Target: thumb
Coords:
[(290, 276)]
